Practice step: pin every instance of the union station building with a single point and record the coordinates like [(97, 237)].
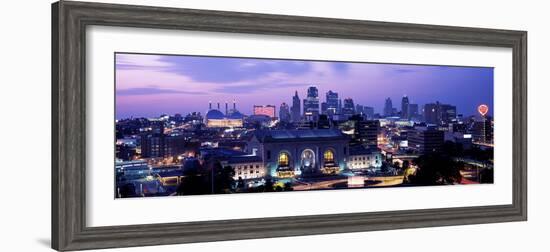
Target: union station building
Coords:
[(290, 153)]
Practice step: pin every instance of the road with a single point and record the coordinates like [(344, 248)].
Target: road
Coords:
[(329, 184)]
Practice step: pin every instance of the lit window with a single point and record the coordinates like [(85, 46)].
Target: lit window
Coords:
[(329, 156), (283, 159)]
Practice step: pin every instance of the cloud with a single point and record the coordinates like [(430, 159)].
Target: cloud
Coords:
[(251, 87), (141, 61), (152, 91), (404, 70)]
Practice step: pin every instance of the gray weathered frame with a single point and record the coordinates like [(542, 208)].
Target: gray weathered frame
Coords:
[(69, 20)]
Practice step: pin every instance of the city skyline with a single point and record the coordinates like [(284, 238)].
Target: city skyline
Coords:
[(150, 85)]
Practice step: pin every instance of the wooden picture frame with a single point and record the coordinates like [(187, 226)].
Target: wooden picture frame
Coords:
[(69, 20)]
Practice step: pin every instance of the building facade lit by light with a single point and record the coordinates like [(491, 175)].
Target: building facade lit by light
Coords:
[(268, 110), (216, 119)]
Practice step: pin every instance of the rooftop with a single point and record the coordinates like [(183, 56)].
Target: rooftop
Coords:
[(304, 135), (244, 159)]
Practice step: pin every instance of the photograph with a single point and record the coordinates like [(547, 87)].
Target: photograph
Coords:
[(197, 125)]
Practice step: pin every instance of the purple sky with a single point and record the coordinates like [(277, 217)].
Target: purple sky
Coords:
[(151, 85)]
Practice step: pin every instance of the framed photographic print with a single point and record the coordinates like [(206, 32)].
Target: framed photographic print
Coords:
[(178, 125)]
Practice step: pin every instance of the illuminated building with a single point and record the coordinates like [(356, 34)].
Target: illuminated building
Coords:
[(135, 169), (388, 107), (405, 107), (431, 113), (311, 104), (268, 110), (482, 130), (448, 113), (216, 119), (332, 107), (324, 122), (437, 113), (465, 140), (349, 108), (425, 139), (365, 132), (247, 167), (412, 111), (289, 153), (162, 146), (284, 113), (125, 151), (364, 158), (259, 120), (368, 112), (483, 127), (295, 114)]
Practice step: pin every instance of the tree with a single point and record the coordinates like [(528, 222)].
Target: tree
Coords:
[(240, 183), (436, 169), (268, 185), (223, 178), (405, 164), (486, 176), (384, 168), (194, 181), (288, 187), (193, 184), (128, 190), (396, 164)]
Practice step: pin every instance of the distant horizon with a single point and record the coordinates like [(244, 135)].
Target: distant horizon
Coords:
[(149, 85)]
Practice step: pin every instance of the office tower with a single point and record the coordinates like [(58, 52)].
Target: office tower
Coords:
[(405, 107), (284, 113), (448, 113), (413, 111), (482, 130), (349, 108), (311, 104), (425, 139), (369, 112), (431, 113), (332, 103), (388, 107), (295, 114), (359, 109), (324, 108), (437, 113)]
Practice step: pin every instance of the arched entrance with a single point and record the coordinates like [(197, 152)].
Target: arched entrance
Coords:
[(284, 169), (307, 160), (329, 162)]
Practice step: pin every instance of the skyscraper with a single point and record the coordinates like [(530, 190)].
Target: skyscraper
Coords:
[(332, 103), (369, 112), (349, 108), (311, 104), (437, 113), (284, 113), (295, 115), (482, 130), (413, 111), (324, 108), (388, 107), (448, 113), (405, 107), (431, 113), (359, 109), (425, 139), (365, 132)]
